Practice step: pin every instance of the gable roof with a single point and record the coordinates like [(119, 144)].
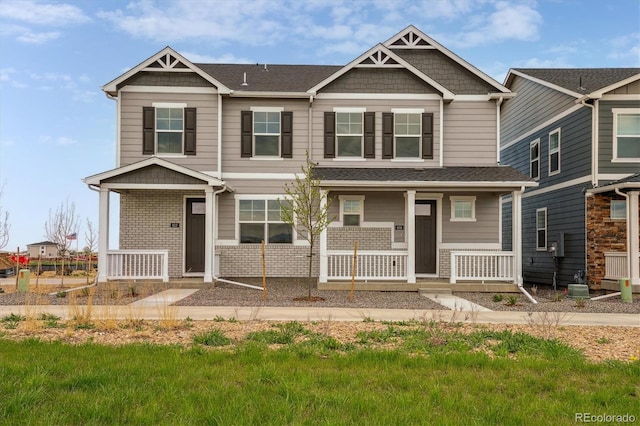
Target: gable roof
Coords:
[(165, 60), (629, 182), (577, 82), (42, 243)]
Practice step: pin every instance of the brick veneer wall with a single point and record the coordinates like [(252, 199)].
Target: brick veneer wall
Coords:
[(445, 260), (603, 235), (342, 238), (281, 260)]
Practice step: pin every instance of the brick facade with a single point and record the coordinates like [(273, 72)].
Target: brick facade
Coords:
[(603, 235), (281, 260), (368, 238)]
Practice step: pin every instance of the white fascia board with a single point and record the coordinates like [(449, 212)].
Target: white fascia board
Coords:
[(545, 83), (599, 93), (424, 184), (247, 94), (447, 53), (170, 89), (111, 87), (154, 186), (373, 96), (609, 188)]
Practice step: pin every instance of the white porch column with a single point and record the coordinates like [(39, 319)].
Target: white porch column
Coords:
[(208, 232), (632, 237), (103, 234), (410, 235), (516, 239), (324, 266)]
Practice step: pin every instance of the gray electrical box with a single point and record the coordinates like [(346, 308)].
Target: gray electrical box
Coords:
[(556, 248)]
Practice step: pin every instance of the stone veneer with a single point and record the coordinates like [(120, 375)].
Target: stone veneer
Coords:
[(603, 235)]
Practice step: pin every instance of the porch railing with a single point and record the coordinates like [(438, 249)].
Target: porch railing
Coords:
[(371, 265), (138, 264), (482, 266), (615, 265)]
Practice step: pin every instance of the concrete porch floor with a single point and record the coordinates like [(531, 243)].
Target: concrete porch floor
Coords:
[(432, 286)]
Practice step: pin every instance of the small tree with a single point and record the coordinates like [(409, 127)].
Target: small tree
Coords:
[(62, 228), (4, 225), (304, 210), (91, 239)]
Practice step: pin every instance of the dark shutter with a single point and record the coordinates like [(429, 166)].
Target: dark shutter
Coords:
[(246, 137), (190, 131), (329, 134), (387, 135), (369, 135), (427, 135), (148, 130), (286, 135)]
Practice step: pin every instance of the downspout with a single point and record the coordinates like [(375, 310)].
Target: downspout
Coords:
[(441, 132), (219, 173), (213, 252), (309, 131), (117, 99), (594, 141), (500, 99), (628, 216)]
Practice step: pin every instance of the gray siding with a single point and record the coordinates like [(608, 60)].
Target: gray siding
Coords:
[(470, 134), (605, 138), (175, 79), (369, 80), (486, 227), (534, 104), (206, 134)]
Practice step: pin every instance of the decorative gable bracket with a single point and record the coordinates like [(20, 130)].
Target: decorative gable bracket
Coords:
[(410, 40), (168, 62), (378, 59)]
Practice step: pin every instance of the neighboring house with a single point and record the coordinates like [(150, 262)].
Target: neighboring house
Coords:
[(406, 142), (42, 249), (576, 132)]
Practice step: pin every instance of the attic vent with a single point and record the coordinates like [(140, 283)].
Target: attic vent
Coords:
[(244, 79), (580, 85)]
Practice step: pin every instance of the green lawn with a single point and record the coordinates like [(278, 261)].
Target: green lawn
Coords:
[(429, 378)]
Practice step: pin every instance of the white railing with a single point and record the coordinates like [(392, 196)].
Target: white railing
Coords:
[(371, 265), (138, 264), (482, 266), (615, 265)]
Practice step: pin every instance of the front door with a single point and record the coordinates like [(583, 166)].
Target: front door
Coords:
[(425, 237), (194, 235)]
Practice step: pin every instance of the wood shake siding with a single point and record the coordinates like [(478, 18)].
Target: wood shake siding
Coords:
[(378, 81), (155, 175), (181, 79), (378, 106), (206, 105), (524, 112), (470, 135)]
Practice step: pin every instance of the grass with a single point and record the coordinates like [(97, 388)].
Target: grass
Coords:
[(485, 377)]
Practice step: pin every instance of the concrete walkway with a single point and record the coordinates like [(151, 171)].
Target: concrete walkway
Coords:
[(455, 303), (166, 297)]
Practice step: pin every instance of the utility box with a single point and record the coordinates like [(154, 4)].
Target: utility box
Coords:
[(625, 290), (23, 280), (578, 291)]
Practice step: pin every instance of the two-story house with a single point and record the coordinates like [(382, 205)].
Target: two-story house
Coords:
[(405, 139), (577, 133)]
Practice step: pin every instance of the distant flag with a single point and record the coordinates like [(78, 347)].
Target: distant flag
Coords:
[(73, 236)]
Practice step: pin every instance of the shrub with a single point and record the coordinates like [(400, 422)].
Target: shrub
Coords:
[(212, 338), (497, 298)]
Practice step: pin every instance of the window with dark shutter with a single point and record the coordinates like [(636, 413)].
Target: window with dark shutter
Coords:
[(387, 135), (148, 130), (369, 135), (286, 135), (427, 135), (246, 137), (329, 134), (190, 131)]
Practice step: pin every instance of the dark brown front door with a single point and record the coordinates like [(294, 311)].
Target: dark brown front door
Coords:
[(194, 235), (425, 237)]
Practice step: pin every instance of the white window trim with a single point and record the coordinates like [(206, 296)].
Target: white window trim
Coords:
[(253, 110), (418, 111), (546, 229), (551, 173), (157, 105), (360, 110), (472, 200), (624, 217), (616, 112), (531, 144), (266, 198), (343, 198)]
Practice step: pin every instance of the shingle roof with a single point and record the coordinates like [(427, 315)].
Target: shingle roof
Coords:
[(434, 175), (275, 78), (42, 243), (580, 80)]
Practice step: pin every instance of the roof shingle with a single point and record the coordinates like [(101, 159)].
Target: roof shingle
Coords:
[(432, 175)]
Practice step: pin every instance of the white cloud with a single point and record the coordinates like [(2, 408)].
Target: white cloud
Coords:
[(625, 48), (57, 140), (32, 12), (227, 58), (26, 35)]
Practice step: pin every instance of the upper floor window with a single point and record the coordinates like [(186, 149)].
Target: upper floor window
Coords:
[(407, 134), (351, 209), (626, 134), (541, 229), (260, 220), (534, 159), (554, 152), (169, 129), (266, 132), (618, 209), (463, 209), (349, 133)]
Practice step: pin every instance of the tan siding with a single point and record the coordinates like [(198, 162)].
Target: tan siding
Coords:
[(207, 118), (484, 230), (470, 134), (320, 106), (232, 162), (629, 89)]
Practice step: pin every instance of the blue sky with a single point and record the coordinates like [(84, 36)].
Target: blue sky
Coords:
[(57, 126)]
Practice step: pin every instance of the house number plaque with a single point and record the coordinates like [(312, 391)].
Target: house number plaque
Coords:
[(174, 225)]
